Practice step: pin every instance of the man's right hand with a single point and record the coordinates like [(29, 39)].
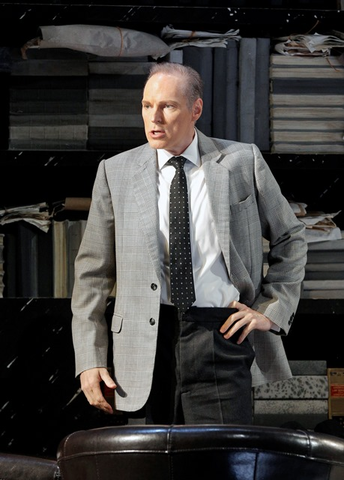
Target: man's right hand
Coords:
[(90, 384)]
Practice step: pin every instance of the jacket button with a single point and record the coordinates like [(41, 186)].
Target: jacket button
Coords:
[(152, 321), (154, 286)]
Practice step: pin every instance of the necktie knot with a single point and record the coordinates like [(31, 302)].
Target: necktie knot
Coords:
[(177, 162)]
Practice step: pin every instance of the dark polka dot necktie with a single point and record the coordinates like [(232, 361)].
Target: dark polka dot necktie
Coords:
[(181, 276)]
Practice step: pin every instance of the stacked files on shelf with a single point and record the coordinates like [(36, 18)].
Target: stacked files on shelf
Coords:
[(253, 94), (40, 263), (63, 99), (201, 59), (324, 276), (66, 99), (236, 88), (24, 228), (324, 271), (48, 100), (225, 96), (27, 260), (115, 94), (2, 285), (67, 236), (306, 104)]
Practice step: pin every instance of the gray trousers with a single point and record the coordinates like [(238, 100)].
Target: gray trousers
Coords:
[(199, 376)]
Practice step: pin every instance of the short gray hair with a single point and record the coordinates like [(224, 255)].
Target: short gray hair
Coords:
[(192, 80)]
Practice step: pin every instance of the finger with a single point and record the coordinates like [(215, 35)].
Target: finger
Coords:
[(243, 335), (106, 407), (233, 329), (91, 381), (233, 319), (229, 322), (237, 305), (236, 321), (96, 398)]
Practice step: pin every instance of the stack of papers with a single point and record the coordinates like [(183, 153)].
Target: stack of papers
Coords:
[(186, 38), (315, 45), (37, 214), (319, 225)]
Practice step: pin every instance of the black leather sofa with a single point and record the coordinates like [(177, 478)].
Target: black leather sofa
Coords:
[(23, 467), (202, 452), (185, 453)]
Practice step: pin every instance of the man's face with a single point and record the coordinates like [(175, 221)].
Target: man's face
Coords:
[(169, 121)]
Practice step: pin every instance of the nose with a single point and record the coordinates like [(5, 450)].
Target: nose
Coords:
[(156, 116)]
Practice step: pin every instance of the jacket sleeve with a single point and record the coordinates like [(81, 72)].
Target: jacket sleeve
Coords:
[(94, 279), (281, 287)]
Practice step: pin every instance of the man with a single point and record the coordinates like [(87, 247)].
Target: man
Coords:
[(198, 365)]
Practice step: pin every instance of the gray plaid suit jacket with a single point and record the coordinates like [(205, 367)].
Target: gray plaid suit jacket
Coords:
[(120, 244)]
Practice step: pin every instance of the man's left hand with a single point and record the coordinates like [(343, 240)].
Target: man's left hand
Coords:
[(244, 318)]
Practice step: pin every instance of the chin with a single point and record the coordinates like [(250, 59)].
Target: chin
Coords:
[(158, 144)]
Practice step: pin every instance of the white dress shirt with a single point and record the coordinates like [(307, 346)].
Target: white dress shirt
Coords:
[(211, 277)]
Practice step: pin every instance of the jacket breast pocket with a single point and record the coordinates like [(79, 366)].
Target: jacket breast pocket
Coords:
[(246, 231), (244, 220), (116, 324), (241, 207)]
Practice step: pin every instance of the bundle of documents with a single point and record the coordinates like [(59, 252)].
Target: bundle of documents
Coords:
[(315, 45), (319, 225), (37, 214), (185, 38)]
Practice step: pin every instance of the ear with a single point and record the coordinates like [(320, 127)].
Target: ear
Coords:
[(197, 109)]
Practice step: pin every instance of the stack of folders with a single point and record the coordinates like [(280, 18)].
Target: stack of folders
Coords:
[(324, 276), (306, 104), (324, 272), (236, 88), (2, 285)]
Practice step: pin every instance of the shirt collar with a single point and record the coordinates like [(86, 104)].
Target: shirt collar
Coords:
[(191, 154)]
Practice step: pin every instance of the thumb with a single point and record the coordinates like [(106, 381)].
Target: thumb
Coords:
[(107, 379)]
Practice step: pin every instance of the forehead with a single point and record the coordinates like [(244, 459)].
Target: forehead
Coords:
[(162, 84)]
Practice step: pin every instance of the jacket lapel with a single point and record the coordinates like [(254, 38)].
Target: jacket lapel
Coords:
[(145, 191), (217, 179)]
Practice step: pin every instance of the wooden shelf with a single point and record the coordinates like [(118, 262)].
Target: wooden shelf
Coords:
[(20, 21), (52, 175), (288, 161), (321, 306), (67, 158)]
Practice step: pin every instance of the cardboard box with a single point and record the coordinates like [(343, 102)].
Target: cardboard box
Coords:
[(336, 392)]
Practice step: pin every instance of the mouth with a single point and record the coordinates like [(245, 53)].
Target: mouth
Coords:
[(157, 133)]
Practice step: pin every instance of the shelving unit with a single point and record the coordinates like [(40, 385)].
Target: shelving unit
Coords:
[(20, 21), (315, 179), (34, 176)]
